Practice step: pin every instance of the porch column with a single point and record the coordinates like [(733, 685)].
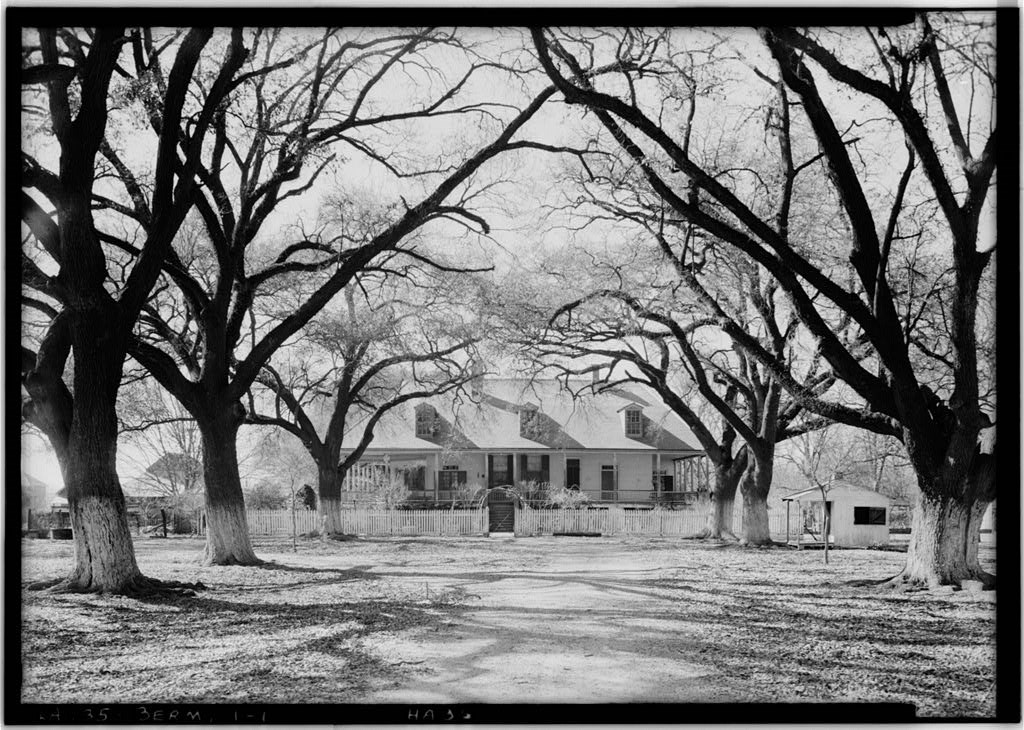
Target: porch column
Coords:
[(516, 476), (657, 469), (437, 476)]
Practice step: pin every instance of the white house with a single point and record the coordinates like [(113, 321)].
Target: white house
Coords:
[(616, 446), (860, 516)]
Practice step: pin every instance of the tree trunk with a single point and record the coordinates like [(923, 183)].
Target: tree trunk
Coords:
[(723, 500), (329, 498), (227, 532), (944, 542), (757, 480), (104, 553)]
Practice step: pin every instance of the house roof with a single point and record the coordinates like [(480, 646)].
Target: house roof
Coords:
[(491, 422), (31, 485), (142, 488), (175, 465), (838, 489)]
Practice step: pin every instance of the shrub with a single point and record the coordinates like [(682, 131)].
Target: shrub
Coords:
[(390, 492), (565, 498)]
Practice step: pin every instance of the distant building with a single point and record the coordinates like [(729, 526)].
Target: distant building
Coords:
[(36, 496), (616, 446), (859, 516)]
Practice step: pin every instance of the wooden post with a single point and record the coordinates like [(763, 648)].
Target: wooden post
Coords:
[(163, 520), (657, 478), (294, 532), (615, 478), (788, 504), (437, 476)]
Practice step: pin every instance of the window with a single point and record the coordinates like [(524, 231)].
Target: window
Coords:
[(869, 515), (499, 470), (450, 477), (529, 420), (664, 481), (534, 468), (634, 422), (426, 419), (415, 478)]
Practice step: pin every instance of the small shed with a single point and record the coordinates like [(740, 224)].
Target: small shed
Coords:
[(859, 516)]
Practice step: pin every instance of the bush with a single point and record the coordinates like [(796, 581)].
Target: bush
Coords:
[(565, 498), (266, 495), (388, 493)]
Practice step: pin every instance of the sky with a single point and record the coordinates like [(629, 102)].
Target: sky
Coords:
[(517, 237)]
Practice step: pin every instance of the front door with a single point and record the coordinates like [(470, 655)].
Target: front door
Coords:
[(608, 482), (501, 510), (572, 474)]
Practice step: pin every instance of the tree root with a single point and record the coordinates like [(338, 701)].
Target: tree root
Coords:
[(904, 582), (726, 536), (42, 585), (232, 560), (138, 587)]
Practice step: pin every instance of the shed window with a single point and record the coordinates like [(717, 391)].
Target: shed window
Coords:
[(869, 515), (634, 423)]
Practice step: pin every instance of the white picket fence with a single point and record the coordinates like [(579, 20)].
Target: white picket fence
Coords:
[(437, 522), (272, 521), (618, 521), (434, 522)]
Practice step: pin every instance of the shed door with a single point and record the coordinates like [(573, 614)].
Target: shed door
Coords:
[(814, 519)]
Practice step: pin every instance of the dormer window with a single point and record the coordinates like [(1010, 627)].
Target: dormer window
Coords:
[(528, 420), (426, 421), (634, 423)]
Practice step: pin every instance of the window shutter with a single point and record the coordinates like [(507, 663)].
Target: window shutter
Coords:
[(508, 463), (490, 464), (545, 468)]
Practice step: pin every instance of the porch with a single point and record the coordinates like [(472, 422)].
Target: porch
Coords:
[(643, 479)]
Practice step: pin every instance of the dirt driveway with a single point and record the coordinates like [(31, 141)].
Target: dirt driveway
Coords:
[(564, 620)]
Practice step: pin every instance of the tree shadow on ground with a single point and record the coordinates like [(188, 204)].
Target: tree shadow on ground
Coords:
[(356, 571)]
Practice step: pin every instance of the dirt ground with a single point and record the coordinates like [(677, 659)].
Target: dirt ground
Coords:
[(469, 620)]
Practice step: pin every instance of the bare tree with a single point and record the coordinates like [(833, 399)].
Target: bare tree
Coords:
[(335, 89), (822, 457), (72, 79), (647, 330), (942, 432), (404, 339), (165, 441)]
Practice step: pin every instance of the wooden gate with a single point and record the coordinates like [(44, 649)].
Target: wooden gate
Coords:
[(501, 508)]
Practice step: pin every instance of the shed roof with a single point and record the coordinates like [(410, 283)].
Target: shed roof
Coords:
[(839, 489), (491, 422)]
